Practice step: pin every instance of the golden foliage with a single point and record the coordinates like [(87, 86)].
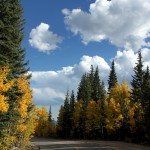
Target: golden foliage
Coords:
[(43, 127), (118, 105), (23, 104), (93, 116), (5, 85)]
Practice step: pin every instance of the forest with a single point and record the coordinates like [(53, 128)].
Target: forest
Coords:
[(120, 112)]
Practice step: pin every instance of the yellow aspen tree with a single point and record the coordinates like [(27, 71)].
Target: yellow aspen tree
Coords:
[(5, 85), (25, 127), (135, 114), (77, 113), (79, 119), (42, 122), (118, 106), (93, 122), (114, 116)]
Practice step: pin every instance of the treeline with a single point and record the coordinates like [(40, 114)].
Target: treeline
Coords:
[(120, 113)]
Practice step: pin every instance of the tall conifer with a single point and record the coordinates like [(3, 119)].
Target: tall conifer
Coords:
[(146, 101), (12, 33), (137, 81), (84, 89), (96, 95), (67, 116), (112, 77)]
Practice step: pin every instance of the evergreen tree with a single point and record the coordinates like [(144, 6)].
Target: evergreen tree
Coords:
[(50, 114), (137, 81), (84, 90), (112, 77), (137, 96), (98, 87), (146, 101), (91, 77), (12, 33), (72, 109), (60, 123), (72, 102), (67, 116)]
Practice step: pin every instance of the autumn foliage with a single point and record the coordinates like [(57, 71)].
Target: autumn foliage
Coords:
[(23, 106), (43, 126)]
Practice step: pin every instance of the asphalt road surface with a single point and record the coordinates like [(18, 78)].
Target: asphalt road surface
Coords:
[(56, 144)]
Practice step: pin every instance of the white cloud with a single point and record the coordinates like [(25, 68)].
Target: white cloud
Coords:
[(43, 39), (45, 95), (124, 23), (126, 60)]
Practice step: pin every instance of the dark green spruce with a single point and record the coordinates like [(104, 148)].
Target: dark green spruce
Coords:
[(12, 34), (112, 80), (84, 89), (137, 80), (146, 102), (67, 116), (98, 87)]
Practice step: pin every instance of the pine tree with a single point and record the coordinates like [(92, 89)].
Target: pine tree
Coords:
[(112, 77), (98, 87), (137, 81), (72, 109), (146, 101), (84, 89), (67, 116), (136, 96), (60, 123), (12, 33), (50, 114), (91, 77), (72, 102)]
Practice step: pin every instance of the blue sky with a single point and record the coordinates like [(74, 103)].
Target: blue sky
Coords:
[(63, 38)]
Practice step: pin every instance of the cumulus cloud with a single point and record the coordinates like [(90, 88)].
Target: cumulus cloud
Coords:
[(124, 23), (126, 60), (43, 39), (43, 96)]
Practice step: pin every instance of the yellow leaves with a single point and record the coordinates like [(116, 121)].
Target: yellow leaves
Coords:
[(93, 116), (26, 98), (23, 102), (43, 125), (114, 116), (135, 112), (120, 117), (3, 104), (78, 113), (4, 87), (118, 104)]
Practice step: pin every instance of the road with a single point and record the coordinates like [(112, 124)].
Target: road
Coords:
[(56, 144)]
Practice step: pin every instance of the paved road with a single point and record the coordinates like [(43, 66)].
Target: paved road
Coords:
[(55, 144)]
